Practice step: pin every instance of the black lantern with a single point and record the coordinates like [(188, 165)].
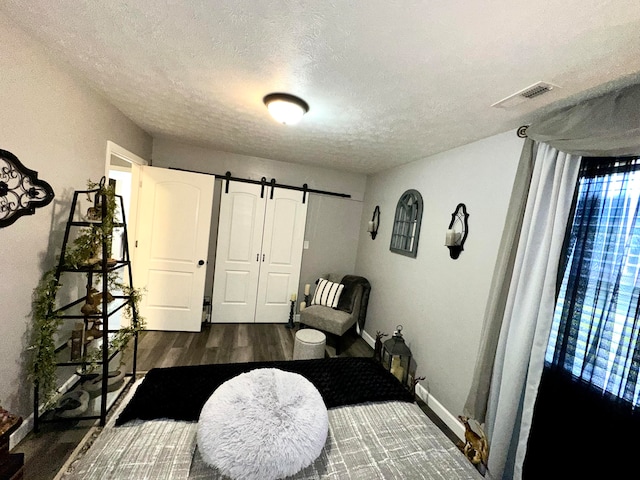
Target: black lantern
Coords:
[(396, 356)]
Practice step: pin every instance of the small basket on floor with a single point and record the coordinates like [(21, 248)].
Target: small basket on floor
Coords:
[(309, 343)]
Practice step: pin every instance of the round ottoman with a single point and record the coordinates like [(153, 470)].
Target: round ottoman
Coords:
[(265, 424), (309, 343)]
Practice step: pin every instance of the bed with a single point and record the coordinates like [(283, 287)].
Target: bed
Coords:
[(376, 431)]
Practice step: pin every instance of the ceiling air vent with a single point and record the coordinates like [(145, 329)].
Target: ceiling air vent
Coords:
[(528, 93)]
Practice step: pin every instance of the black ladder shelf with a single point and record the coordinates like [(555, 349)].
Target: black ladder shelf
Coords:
[(110, 304)]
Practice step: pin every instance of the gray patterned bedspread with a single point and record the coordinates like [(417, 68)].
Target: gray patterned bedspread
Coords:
[(387, 440)]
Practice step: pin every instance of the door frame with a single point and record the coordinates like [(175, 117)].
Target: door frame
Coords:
[(115, 150)]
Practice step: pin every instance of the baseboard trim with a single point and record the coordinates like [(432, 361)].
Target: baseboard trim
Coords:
[(449, 419), (368, 338), (22, 431)]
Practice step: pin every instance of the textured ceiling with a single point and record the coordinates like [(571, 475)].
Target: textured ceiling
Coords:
[(388, 82)]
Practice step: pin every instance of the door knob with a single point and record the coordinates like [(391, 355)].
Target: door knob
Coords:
[(200, 262)]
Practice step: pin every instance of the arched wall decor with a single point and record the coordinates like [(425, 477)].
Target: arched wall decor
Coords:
[(406, 224), (20, 190)]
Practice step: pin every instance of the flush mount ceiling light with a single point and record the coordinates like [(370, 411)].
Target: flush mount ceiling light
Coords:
[(284, 108)]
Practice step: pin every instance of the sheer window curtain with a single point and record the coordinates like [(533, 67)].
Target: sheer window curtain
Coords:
[(529, 310)]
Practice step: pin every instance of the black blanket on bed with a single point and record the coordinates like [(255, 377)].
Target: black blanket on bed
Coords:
[(179, 393)]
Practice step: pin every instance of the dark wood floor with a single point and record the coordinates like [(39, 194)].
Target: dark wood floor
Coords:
[(46, 451)]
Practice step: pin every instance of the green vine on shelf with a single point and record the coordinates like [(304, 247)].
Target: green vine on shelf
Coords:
[(42, 369), (119, 341), (87, 246)]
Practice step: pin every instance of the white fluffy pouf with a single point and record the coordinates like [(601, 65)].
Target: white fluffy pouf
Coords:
[(263, 425)]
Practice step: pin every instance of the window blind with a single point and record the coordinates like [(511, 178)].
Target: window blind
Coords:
[(596, 329)]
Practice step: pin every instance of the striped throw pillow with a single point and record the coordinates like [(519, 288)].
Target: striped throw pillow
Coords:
[(327, 293)]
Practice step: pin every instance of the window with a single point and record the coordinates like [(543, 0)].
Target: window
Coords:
[(406, 224), (596, 327)]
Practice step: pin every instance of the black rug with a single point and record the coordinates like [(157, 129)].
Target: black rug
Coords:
[(179, 393)]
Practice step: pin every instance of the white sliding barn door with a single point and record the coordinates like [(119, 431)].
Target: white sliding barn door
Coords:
[(238, 256), (282, 252), (258, 255), (174, 220)]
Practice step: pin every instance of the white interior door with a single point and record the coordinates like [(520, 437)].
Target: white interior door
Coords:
[(238, 254), (174, 216), (282, 244)]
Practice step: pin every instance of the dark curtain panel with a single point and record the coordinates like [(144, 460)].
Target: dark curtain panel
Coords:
[(587, 414)]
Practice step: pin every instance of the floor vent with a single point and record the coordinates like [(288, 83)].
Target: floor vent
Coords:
[(523, 95)]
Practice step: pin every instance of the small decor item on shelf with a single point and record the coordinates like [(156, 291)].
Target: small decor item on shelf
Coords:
[(72, 404), (94, 331), (377, 350), (91, 306), (93, 214), (396, 356), (93, 301), (115, 379), (96, 296), (294, 297), (76, 342), (476, 445), (305, 303), (413, 381)]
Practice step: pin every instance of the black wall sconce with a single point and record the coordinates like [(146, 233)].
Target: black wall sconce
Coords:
[(374, 223), (20, 190), (457, 231)]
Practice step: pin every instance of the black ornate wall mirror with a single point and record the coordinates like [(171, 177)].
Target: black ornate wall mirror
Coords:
[(20, 190)]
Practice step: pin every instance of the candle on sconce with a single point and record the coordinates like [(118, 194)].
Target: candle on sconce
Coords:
[(450, 239), (294, 296), (307, 288), (303, 305), (371, 226)]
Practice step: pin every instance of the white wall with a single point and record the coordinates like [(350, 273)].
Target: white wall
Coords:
[(440, 301), (59, 127), (333, 224)]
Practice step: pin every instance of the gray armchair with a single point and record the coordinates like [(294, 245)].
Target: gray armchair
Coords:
[(351, 309)]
